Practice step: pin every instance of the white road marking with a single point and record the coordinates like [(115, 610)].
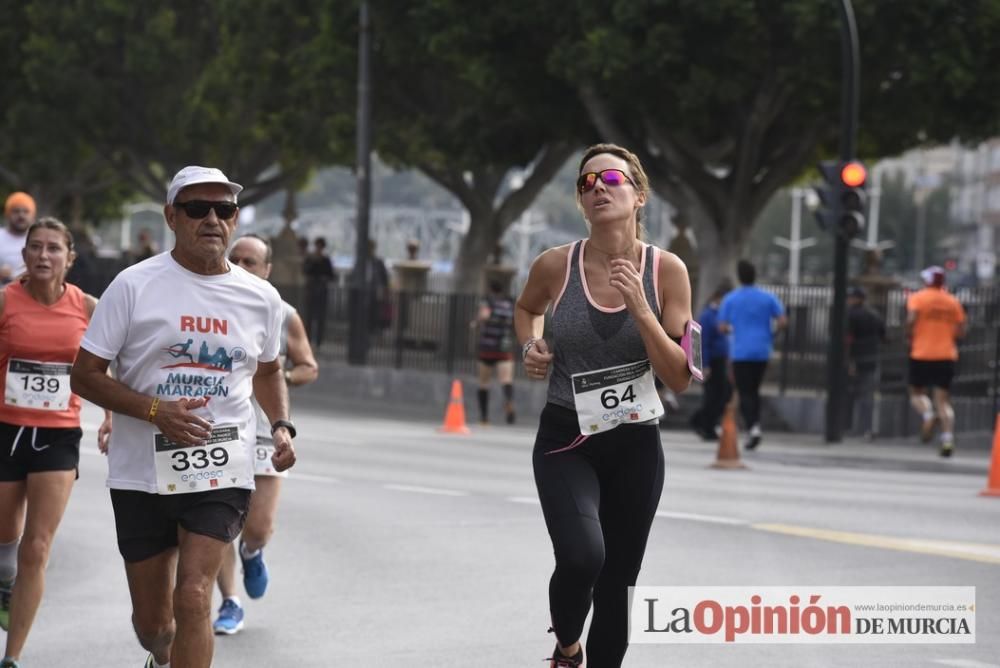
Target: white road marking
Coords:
[(532, 500), (425, 490)]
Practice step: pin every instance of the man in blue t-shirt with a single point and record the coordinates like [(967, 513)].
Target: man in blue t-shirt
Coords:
[(751, 316)]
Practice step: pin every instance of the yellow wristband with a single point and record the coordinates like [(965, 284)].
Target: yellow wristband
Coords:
[(152, 409)]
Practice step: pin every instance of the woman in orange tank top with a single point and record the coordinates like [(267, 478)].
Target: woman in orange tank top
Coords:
[(42, 319)]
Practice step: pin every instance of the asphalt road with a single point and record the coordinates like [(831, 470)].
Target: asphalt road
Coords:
[(398, 545)]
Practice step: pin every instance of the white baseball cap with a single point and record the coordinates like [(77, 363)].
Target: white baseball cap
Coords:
[(193, 174), (932, 274)]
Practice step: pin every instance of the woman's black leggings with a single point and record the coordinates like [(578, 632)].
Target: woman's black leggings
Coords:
[(599, 499)]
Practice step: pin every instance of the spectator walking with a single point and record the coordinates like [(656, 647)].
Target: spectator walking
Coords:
[(715, 361), (496, 349), (935, 320), (319, 272), (865, 331), (145, 246), (751, 316)]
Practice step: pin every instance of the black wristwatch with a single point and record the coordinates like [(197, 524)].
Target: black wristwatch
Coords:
[(283, 423)]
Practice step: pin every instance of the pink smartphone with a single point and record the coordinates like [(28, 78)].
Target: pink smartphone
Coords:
[(691, 343)]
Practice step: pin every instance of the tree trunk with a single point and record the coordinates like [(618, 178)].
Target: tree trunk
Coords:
[(718, 252), (477, 246)]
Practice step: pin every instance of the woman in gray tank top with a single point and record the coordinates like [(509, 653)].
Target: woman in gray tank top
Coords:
[(619, 309)]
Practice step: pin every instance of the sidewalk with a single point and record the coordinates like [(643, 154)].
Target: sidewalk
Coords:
[(855, 453)]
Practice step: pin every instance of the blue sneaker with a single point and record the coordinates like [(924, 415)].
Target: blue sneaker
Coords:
[(254, 574), (9, 663), (230, 619)]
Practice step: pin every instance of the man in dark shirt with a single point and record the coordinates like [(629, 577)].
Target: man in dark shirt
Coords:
[(865, 331), (715, 361), (319, 273)]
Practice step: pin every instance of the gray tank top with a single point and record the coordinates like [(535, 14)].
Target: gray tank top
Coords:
[(586, 337)]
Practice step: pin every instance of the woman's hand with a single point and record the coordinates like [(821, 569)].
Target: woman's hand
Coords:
[(627, 280), (537, 360)]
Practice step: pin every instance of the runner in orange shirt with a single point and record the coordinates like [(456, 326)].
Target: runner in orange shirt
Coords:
[(934, 321), (42, 319)]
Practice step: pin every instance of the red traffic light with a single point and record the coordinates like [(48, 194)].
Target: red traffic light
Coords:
[(853, 174)]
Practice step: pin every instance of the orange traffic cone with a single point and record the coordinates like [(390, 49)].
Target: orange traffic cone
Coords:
[(729, 451), (993, 480), (454, 416)]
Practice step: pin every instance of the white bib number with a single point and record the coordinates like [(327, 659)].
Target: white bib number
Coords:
[(617, 395), (41, 385), (220, 463), (262, 464)]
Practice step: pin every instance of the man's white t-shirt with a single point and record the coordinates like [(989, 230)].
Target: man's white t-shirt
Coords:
[(10, 251), (176, 334)]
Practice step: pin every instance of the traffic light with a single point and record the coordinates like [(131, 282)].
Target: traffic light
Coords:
[(842, 197), (853, 198), (828, 211)]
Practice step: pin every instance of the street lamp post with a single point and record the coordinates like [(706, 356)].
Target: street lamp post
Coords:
[(357, 345), (836, 368)]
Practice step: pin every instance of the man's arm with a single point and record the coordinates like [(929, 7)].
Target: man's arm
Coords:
[(304, 367), (960, 326), (271, 392), (174, 419)]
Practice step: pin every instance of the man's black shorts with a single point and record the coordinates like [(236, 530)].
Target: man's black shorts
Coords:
[(25, 450), (931, 374), (147, 523)]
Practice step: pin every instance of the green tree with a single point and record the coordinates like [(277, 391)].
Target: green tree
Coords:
[(38, 153), (252, 87), (462, 96), (728, 101)]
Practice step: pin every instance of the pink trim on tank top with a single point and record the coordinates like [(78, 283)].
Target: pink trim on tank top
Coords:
[(586, 288), (569, 267)]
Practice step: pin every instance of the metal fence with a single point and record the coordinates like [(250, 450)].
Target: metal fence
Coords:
[(799, 361), (430, 331), (801, 349)]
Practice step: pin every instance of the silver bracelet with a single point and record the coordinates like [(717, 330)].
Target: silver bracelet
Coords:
[(528, 345)]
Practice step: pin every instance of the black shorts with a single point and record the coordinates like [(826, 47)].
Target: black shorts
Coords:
[(25, 450), (147, 523), (931, 374)]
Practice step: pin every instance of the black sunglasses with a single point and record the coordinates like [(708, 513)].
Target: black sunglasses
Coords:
[(197, 209)]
